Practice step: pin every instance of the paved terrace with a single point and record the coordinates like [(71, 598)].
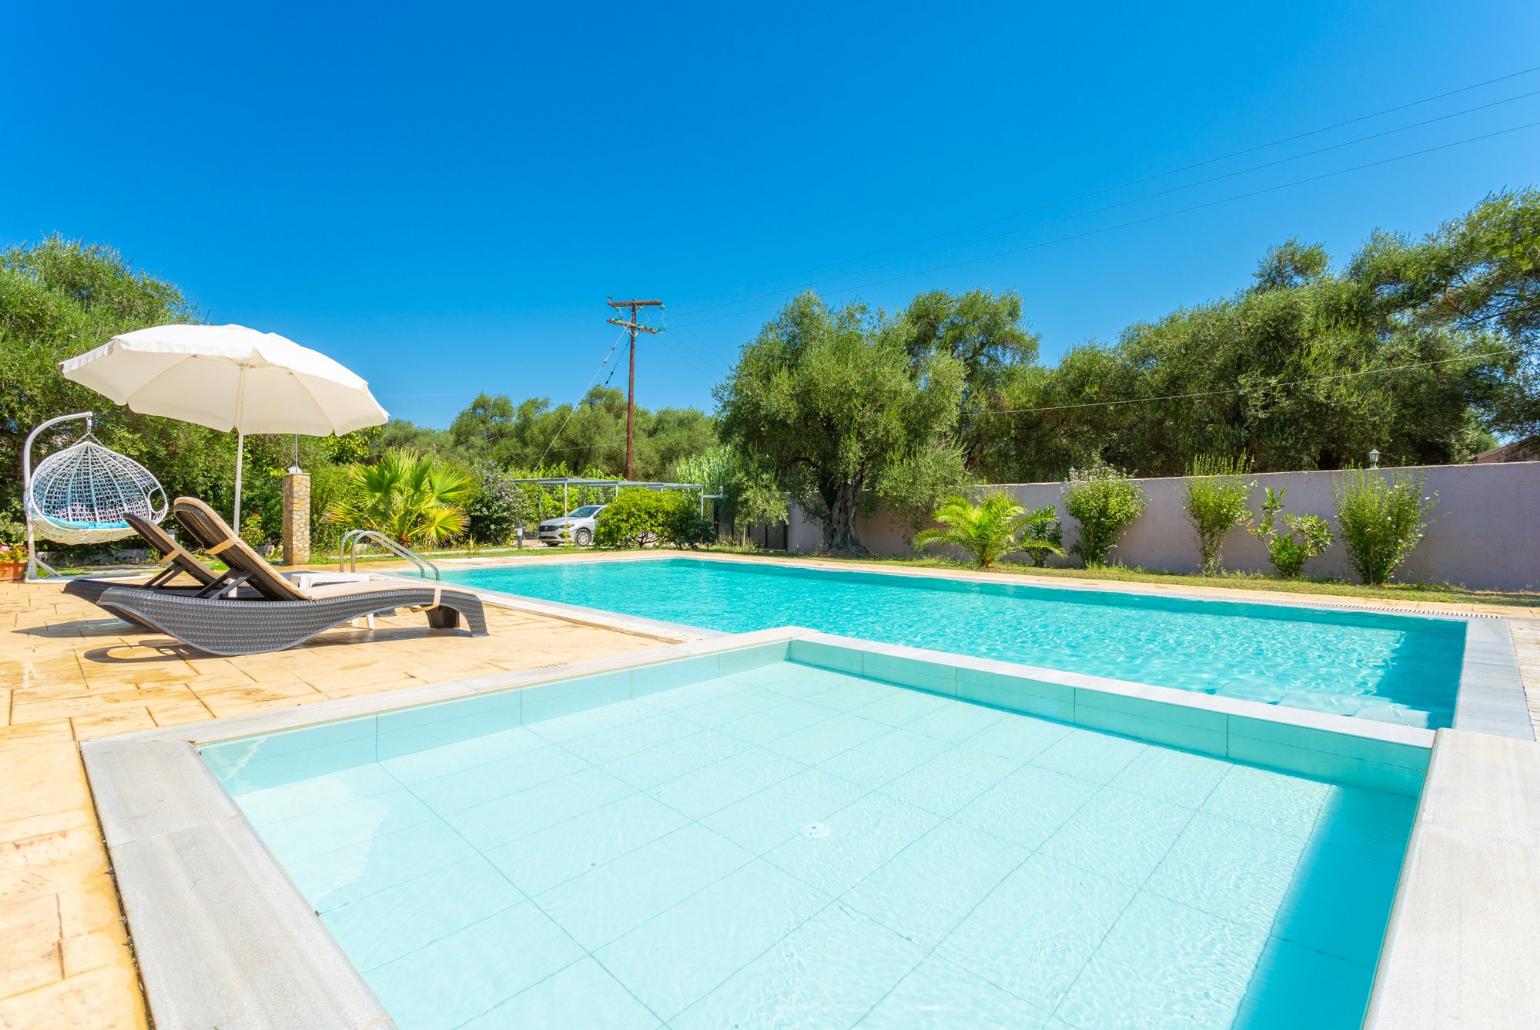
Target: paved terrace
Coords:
[(67, 674)]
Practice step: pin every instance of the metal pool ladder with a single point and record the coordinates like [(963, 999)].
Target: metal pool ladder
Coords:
[(347, 552)]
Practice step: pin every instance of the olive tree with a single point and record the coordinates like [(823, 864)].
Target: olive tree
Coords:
[(829, 402)]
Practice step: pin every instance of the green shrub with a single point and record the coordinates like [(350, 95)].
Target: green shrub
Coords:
[(1381, 519), (1042, 526), (1302, 538), (988, 531), (1105, 501), (639, 517), (1217, 489), (685, 526), (496, 511)]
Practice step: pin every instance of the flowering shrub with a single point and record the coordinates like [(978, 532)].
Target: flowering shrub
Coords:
[(1217, 489), (1105, 501), (1382, 519)]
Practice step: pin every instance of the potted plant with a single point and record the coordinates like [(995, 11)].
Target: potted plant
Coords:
[(13, 556)]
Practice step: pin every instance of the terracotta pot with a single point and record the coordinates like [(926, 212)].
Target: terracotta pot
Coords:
[(12, 571)]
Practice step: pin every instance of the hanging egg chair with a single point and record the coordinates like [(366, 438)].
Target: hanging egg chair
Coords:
[(80, 494)]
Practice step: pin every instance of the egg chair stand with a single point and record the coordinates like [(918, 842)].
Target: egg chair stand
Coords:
[(81, 494)]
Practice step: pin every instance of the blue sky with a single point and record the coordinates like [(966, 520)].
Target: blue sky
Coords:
[(442, 196)]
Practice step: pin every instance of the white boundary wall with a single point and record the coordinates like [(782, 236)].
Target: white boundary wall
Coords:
[(1484, 534)]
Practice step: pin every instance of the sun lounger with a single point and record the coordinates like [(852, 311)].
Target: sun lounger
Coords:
[(283, 615)]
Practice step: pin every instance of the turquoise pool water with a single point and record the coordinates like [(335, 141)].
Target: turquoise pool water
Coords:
[(789, 846), (1386, 667)]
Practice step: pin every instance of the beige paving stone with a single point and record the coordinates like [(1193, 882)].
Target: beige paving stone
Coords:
[(94, 949), (101, 999)]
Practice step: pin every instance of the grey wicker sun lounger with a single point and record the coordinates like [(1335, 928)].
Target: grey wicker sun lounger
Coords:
[(182, 572), (284, 615)]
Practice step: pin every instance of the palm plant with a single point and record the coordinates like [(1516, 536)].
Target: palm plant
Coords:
[(411, 497), (988, 531)]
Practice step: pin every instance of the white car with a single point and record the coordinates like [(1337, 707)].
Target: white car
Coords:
[(577, 526)]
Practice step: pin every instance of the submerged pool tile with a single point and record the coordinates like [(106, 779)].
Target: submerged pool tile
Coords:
[(1018, 737), (556, 854), (1374, 822), (767, 724), (904, 878), (581, 995), (467, 788), (717, 711), (474, 969), (568, 708), (824, 740), (628, 738), (1339, 902), (859, 838), (950, 780), (828, 973), (925, 890), (664, 762), (1228, 869), (283, 801), (884, 758), (302, 836), (1294, 986), (361, 868), (1089, 755), (939, 994), (1034, 933), (713, 787), (1027, 806), (397, 920), (1166, 774), (901, 707), (710, 936), (1274, 801), (1163, 964), (466, 754), (956, 723), (565, 711), (523, 812), (782, 810), (1119, 835), (610, 901)]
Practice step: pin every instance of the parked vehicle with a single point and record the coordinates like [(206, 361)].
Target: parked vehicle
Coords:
[(577, 526)]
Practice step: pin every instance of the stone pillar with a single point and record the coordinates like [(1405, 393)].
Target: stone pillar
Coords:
[(296, 518)]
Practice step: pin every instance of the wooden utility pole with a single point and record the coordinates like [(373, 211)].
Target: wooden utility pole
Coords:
[(634, 327)]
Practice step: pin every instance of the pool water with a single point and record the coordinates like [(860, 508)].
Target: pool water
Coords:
[(1387, 667), (790, 846)]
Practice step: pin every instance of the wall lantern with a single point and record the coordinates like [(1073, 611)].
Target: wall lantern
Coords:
[(1374, 458)]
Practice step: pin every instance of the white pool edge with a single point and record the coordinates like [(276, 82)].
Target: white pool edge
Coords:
[(224, 938)]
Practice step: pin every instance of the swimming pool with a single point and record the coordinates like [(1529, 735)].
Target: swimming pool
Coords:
[(1387, 667), (779, 843)]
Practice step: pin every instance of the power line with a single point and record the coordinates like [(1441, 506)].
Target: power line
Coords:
[(1237, 390), (1148, 218), (573, 411), (1129, 182), (1143, 197)]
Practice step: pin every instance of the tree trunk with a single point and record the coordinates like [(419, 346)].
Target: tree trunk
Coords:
[(839, 527)]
